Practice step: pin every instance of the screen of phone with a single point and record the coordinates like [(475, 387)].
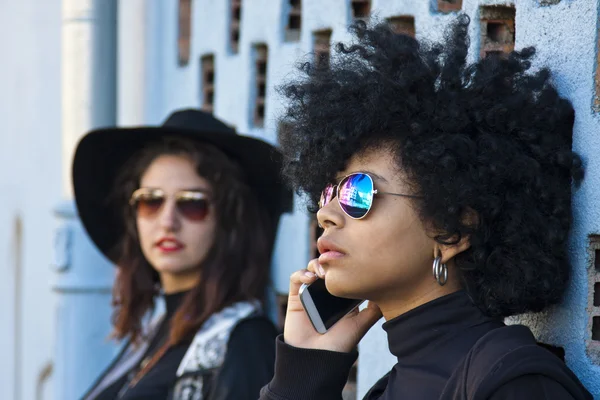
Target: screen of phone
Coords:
[(331, 308)]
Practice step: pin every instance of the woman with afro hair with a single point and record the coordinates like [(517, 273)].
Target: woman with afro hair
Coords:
[(444, 192)]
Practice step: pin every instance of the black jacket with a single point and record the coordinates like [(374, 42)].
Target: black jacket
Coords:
[(246, 366), (446, 349)]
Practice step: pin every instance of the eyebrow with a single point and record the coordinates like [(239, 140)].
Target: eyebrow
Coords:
[(197, 189)]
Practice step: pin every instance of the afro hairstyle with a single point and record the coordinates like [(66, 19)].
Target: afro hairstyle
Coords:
[(489, 137)]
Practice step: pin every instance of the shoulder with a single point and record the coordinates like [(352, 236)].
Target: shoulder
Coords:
[(378, 388), (508, 354), (500, 342), (222, 323), (534, 387), (508, 347), (252, 338), (210, 343), (250, 358), (257, 327)]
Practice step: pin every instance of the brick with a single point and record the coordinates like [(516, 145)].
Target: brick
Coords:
[(404, 24), (361, 8), (497, 30), (322, 47), (596, 103), (184, 31), (234, 28), (207, 65), (294, 25), (593, 306), (447, 6), (261, 58)]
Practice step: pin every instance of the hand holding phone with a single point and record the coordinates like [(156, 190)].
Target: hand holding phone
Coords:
[(324, 309), (343, 336)]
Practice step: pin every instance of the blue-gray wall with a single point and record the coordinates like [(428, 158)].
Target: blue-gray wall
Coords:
[(565, 34), (150, 84)]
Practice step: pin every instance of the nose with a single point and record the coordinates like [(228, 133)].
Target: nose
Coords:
[(331, 215), (169, 218)]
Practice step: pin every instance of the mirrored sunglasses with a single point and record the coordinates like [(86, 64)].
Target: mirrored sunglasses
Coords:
[(355, 194)]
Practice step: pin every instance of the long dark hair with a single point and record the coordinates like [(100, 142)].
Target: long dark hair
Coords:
[(236, 267)]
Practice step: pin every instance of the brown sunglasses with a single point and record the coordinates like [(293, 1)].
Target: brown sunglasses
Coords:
[(193, 205)]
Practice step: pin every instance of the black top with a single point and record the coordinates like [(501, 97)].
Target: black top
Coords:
[(157, 382), (446, 349), (248, 364)]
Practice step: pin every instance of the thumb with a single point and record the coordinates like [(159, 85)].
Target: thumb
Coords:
[(367, 317)]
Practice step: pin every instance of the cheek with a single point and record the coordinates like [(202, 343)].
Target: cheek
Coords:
[(201, 237), (397, 244), (145, 230), (408, 236)]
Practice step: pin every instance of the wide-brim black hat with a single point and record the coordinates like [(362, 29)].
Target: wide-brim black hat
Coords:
[(101, 154)]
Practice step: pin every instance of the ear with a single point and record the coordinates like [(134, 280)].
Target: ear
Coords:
[(448, 252)]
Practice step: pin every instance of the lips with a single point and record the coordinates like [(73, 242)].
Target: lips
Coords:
[(169, 245), (329, 251)]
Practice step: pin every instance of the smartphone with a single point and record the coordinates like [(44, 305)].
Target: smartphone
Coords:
[(323, 308)]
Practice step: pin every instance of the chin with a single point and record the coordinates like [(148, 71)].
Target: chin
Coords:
[(343, 288), (173, 268)]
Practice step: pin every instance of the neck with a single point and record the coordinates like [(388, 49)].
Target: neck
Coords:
[(174, 283), (400, 301), (173, 301)]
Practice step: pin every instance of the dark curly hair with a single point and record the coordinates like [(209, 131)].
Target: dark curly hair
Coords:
[(487, 138)]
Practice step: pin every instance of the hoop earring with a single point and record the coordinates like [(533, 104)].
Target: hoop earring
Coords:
[(440, 271)]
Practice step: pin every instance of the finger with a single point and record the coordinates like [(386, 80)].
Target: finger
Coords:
[(360, 321), (298, 278), (366, 318), (316, 268)]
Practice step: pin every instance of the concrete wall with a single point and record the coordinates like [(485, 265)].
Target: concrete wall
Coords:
[(30, 186), (83, 280), (151, 84), (566, 36), (262, 22)]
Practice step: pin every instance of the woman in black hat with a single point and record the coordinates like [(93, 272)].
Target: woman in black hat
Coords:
[(187, 211)]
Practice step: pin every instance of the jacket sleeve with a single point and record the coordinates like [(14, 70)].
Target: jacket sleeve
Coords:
[(302, 374), (532, 387), (248, 362)]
